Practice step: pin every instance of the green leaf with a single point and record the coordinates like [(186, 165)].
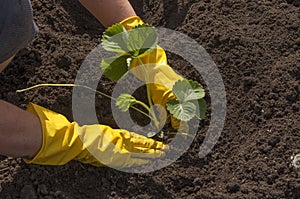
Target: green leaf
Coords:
[(142, 40), (200, 112), (115, 39), (184, 111), (187, 90), (139, 41), (124, 101), (115, 67)]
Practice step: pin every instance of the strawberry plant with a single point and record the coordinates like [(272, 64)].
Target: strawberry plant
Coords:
[(132, 45)]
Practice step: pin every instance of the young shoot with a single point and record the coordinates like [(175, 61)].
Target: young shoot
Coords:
[(134, 44)]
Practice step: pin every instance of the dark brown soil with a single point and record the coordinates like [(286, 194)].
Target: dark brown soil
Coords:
[(256, 46)]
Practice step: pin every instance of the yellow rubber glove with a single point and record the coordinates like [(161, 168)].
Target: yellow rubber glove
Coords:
[(161, 75), (63, 142)]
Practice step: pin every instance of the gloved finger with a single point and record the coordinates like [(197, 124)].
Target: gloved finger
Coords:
[(134, 158), (148, 154), (147, 150), (148, 143), (162, 114), (136, 140), (136, 162), (175, 123), (127, 161), (183, 127)]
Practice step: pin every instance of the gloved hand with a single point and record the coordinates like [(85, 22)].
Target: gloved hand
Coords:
[(161, 75), (64, 141)]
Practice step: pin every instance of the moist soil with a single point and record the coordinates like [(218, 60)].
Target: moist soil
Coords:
[(256, 47)]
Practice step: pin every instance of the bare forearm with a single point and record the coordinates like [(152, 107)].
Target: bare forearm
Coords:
[(4, 64), (109, 12), (20, 132)]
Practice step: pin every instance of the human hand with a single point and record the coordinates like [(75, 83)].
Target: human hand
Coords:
[(161, 76), (98, 145)]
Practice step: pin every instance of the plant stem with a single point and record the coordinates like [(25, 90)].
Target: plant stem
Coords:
[(99, 92), (63, 85), (147, 80), (143, 105)]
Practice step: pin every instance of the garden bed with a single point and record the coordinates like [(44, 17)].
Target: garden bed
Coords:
[(256, 46)]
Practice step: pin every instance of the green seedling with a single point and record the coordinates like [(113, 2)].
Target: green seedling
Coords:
[(129, 45), (132, 45)]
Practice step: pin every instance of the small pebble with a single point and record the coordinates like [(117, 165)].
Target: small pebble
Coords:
[(296, 163)]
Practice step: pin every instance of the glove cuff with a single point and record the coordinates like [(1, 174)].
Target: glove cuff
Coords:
[(31, 109), (131, 22), (60, 144)]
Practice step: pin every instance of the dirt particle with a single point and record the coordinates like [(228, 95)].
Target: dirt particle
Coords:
[(42, 189), (274, 141), (28, 192), (233, 188)]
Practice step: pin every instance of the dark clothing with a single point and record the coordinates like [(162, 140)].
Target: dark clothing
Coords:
[(17, 27)]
